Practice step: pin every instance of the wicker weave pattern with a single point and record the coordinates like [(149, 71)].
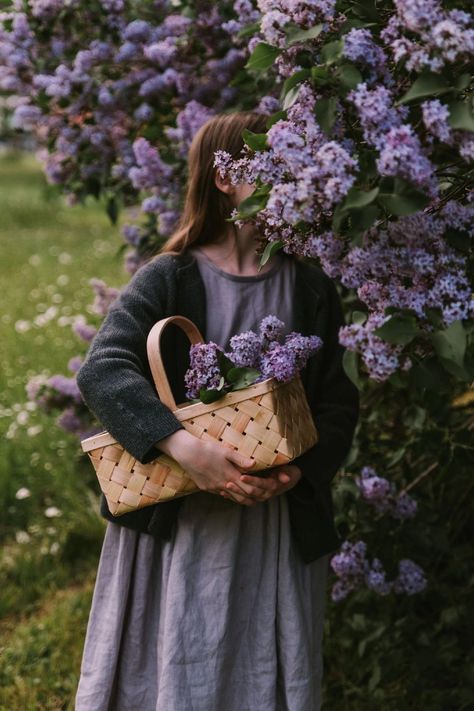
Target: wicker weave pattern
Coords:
[(269, 421), (273, 428)]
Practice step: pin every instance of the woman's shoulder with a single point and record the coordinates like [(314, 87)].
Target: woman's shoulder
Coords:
[(159, 267), (315, 276)]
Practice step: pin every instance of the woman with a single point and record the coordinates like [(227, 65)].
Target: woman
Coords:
[(215, 600)]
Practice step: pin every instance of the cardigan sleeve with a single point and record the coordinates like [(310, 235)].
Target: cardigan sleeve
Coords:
[(334, 403), (113, 381)]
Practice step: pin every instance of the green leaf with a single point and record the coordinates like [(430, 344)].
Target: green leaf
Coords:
[(463, 81), (291, 96), (332, 51), (299, 35), (293, 80), (398, 330), (366, 9), (349, 76), (359, 317), (350, 363), (403, 203), (242, 377), (363, 219), (251, 205), (270, 249), (256, 141), (221, 383), (211, 395), (450, 345), (249, 30), (319, 75), (225, 364), (273, 118), (375, 678), (461, 116), (427, 84), (429, 375), (325, 112), (357, 199), (262, 57)]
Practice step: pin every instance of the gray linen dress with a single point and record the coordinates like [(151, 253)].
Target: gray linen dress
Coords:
[(224, 616)]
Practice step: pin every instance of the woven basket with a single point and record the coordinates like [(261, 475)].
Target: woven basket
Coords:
[(269, 421)]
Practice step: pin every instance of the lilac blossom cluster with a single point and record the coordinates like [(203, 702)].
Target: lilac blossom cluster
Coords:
[(423, 35), (278, 14), (270, 353), (354, 571), (90, 96), (204, 371), (408, 265), (382, 495), (309, 174), (59, 392)]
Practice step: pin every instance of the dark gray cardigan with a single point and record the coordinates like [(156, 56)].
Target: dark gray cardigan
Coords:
[(117, 386)]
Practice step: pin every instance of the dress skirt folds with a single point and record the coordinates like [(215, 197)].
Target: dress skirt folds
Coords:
[(225, 616)]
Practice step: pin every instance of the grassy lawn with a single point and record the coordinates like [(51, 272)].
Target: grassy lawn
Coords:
[(48, 253)]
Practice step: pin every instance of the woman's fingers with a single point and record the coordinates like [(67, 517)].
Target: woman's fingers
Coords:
[(232, 492)]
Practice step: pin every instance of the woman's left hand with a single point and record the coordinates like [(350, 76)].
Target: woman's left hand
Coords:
[(277, 481)]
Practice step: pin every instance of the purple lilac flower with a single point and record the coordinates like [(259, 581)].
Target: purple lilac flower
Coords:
[(402, 156), (418, 15), (144, 112), (245, 349), (435, 118), (132, 234), (268, 105), (359, 46), (404, 507), (271, 329), (203, 371), (65, 386), (375, 578), (104, 296), (373, 488), (84, 330), (70, 421), (351, 566), (137, 31), (188, 122), (377, 114), (278, 362), (411, 578), (75, 363), (302, 346)]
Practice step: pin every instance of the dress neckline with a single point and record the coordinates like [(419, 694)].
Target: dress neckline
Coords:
[(195, 251)]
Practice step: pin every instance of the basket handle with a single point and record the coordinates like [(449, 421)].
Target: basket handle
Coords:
[(153, 346)]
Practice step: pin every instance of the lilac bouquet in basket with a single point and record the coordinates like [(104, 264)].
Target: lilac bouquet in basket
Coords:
[(252, 357)]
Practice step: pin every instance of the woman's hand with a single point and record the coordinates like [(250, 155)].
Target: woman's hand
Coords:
[(277, 481), (209, 464)]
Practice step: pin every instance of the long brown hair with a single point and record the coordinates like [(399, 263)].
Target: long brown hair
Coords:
[(205, 207)]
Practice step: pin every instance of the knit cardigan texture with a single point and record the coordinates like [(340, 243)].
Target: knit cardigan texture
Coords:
[(117, 386)]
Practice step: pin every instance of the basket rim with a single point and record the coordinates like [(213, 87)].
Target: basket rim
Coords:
[(186, 412)]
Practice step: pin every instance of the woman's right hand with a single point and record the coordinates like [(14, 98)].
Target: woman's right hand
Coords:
[(210, 464)]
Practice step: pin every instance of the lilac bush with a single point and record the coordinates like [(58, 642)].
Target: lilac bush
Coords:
[(365, 169)]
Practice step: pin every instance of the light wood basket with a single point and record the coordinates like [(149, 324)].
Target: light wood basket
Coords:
[(269, 421)]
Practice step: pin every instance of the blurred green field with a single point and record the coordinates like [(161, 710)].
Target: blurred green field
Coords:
[(48, 252)]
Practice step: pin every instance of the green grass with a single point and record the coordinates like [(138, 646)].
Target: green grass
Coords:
[(42, 653), (48, 253)]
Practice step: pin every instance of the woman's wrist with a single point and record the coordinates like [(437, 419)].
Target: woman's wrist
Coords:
[(175, 443)]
